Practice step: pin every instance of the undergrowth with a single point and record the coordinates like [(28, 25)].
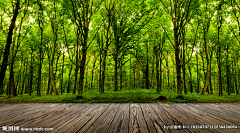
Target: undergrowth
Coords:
[(123, 96)]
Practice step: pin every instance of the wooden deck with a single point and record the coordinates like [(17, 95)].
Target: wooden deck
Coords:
[(122, 118)]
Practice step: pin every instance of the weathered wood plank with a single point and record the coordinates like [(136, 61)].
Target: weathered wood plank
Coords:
[(51, 118), (168, 119), (102, 124), (155, 125), (88, 119), (228, 107), (225, 115), (121, 120), (14, 110), (19, 113), (202, 120), (67, 116), (183, 118), (29, 114), (62, 127), (207, 115), (137, 122), (6, 106)]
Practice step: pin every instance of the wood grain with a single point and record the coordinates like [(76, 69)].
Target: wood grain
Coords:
[(120, 118)]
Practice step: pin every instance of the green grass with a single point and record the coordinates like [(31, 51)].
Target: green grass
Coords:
[(124, 96)]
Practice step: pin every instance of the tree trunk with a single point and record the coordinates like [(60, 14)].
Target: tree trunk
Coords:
[(184, 69), (177, 59), (219, 52), (49, 78), (138, 73), (103, 69), (168, 72), (76, 69), (11, 77), (31, 72), (152, 82), (228, 72), (24, 74), (83, 61), (147, 66), (191, 87), (130, 83), (86, 87), (208, 64), (62, 74), (210, 74), (51, 68), (8, 43), (115, 74), (157, 69), (235, 77), (69, 80), (40, 64), (134, 77), (92, 74)]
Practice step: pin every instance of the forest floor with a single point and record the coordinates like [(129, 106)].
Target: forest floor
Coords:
[(123, 96)]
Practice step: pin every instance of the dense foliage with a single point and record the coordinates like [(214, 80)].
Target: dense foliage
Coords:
[(74, 46)]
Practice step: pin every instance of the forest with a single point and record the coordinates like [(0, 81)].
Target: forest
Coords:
[(77, 47)]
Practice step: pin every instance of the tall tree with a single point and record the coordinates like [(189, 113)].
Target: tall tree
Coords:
[(181, 12), (9, 42)]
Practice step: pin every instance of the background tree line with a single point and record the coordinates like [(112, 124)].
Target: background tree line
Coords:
[(58, 46)]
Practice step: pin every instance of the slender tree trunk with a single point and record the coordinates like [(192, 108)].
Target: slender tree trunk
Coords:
[(197, 75), (219, 51), (191, 86), (177, 59), (199, 79), (152, 82), (49, 78), (147, 65), (31, 73), (228, 72), (208, 65), (121, 77), (44, 84), (92, 74), (210, 74), (157, 69), (51, 66), (12, 84), (238, 75), (184, 70), (62, 74), (174, 86), (103, 68), (69, 80), (134, 76), (24, 73), (235, 77), (168, 72), (138, 73), (86, 87), (130, 83), (100, 72), (40, 65), (160, 75), (115, 74)]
